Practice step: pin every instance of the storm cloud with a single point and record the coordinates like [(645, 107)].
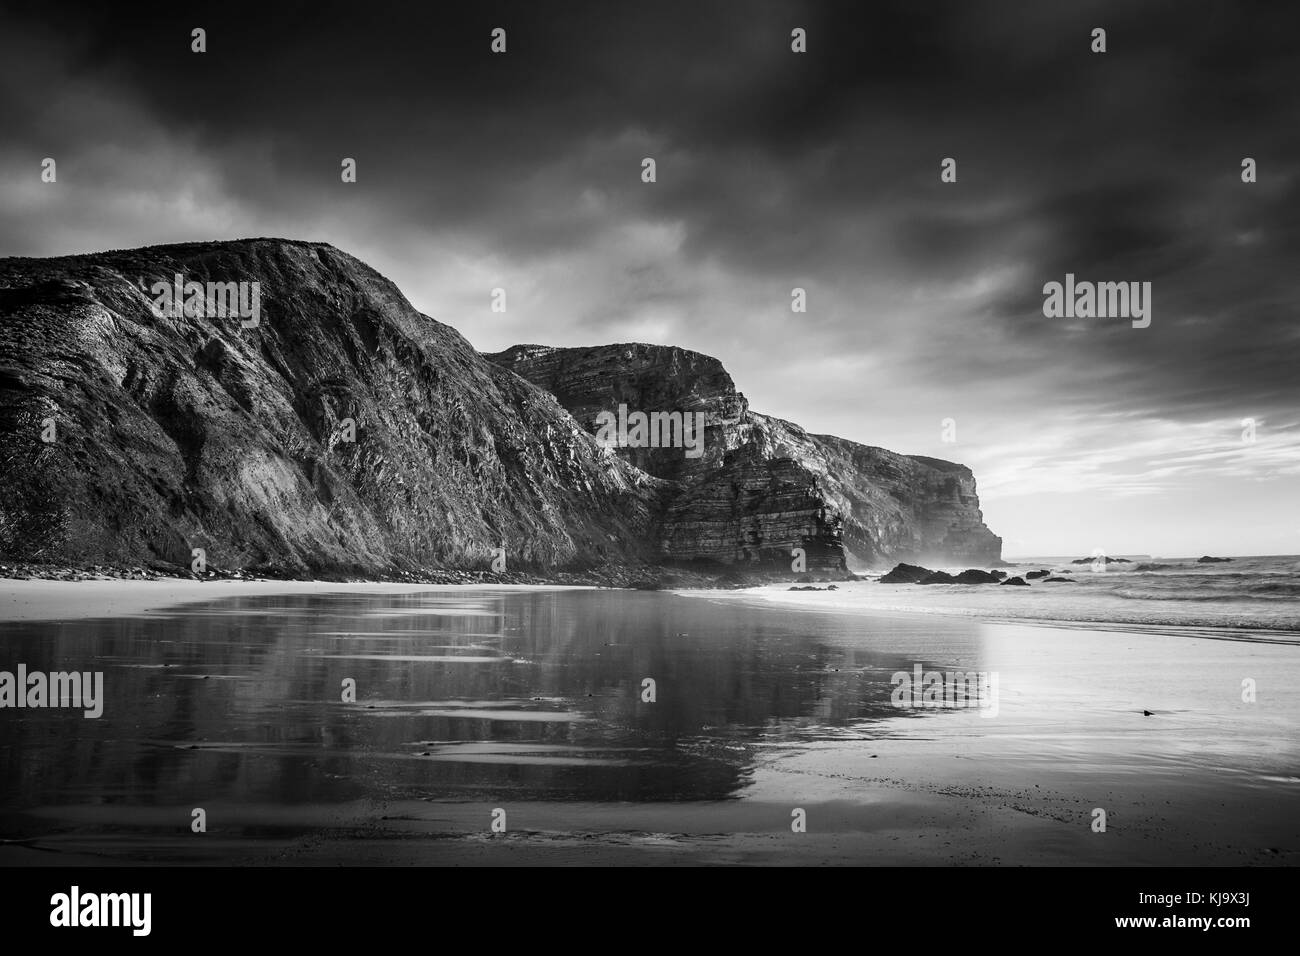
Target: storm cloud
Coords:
[(775, 170)]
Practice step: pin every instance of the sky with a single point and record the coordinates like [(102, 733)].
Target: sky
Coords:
[(925, 329)]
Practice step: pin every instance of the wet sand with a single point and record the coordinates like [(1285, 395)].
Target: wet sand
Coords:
[(45, 600), (1206, 779)]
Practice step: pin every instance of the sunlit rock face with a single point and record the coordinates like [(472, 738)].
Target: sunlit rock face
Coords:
[(762, 486)]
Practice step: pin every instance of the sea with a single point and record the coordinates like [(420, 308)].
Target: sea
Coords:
[(1253, 593)]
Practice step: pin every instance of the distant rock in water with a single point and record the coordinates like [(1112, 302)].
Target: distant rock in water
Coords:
[(938, 577), (1067, 580), (911, 574), (345, 433), (1153, 567), (905, 574), (830, 587), (1037, 574), (976, 576), (1018, 582), (1206, 559), (1103, 559)]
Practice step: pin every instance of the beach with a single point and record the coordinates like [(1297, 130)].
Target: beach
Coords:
[(47, 600), (773, 738)]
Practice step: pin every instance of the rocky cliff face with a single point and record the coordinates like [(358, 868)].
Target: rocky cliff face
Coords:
[(907, 507), (650, 378), (763, 485), (177, 433), (347, 433)]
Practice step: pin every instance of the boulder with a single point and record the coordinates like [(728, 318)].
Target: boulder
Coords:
[(1018, 582), (938, 577), (976, 576), (905, 574)]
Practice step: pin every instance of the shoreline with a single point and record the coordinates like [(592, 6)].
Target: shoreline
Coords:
[(1081, 725), (908, 600), (53, 600), (47, 599)]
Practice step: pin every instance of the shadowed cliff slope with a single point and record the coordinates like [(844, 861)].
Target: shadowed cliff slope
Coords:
[(182, 433)]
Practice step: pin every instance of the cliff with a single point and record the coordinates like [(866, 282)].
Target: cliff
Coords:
[(181, 433), (763, 485), (345, 432)]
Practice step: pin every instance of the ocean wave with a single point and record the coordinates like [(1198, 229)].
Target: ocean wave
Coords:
[(1194, 590), (1245, 596)]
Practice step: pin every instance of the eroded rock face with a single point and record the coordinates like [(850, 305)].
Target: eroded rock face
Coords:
[(182, 433), (764, 485), (647, 378), (176, 433)]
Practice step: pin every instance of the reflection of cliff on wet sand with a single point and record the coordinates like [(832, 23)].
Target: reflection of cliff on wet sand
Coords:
[(531, 702), (485, 695)]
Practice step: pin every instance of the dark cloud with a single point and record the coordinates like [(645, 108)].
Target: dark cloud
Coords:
[(775, 170)]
